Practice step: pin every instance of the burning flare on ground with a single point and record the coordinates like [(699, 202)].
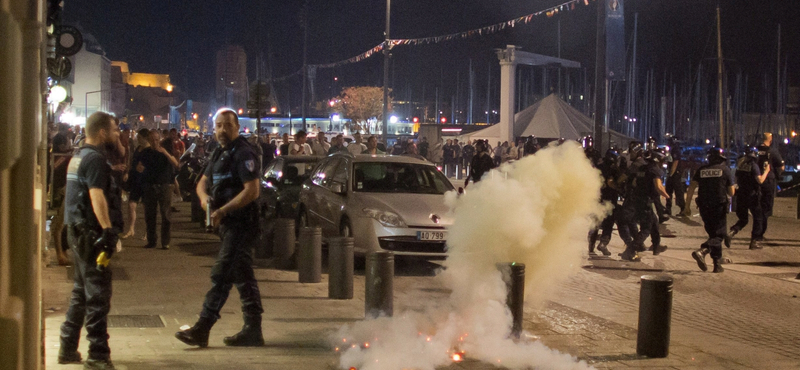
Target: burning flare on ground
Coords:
[(535, 211)]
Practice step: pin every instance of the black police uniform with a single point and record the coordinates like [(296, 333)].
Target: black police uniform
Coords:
[(637, 209), (230, 168), (610, 172), (481, 163), (748, 196), (467, 153), (675, 183), (90, 300), (768, 154), (712, 200)]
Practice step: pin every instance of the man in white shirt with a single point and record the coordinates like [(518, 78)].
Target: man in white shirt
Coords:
[(320, 146), (358, 146), (299, 147)]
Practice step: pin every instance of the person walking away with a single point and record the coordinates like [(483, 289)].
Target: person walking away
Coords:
[(61, 150), (157, 167), (357, 147), (230, 187), (715, 184), (134, 183), (94, 219), (609, 193), (748, 195), (481, 163), (768, 155), (675, 185)]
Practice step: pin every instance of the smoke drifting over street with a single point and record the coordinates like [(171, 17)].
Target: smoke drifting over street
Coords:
[(536, 211)]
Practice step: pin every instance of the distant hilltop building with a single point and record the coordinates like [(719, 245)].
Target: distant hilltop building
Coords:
[(231, 86), (142, 79)]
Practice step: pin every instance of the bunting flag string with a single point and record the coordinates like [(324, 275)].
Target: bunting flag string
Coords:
[(549, 12)]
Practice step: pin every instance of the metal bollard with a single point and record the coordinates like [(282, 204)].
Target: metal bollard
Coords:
[(309, 256), (655, 314), (514, 277), (283, 246), (340, 268), (379, 292), (458, 173), (446, 170)]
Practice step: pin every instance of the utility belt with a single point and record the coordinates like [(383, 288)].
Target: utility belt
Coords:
[(85, 235)]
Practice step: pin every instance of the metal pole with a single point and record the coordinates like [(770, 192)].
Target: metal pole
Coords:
[(514, 277), (600, 76), (309, 257), (379, 290), (720, 98), (284, 243), (655, 314), (386, 49), (340, 268)]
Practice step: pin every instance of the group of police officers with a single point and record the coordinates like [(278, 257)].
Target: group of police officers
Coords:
[(230, 186), (637, 180)]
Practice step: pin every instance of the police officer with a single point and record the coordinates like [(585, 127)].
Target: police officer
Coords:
[(589, 150), (748, 195), (768, 154), (94, 221), (531, 145), (715, 184), (231, 178), (481, 163), (609, 169)]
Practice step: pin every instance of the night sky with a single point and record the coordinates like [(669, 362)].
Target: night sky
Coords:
[(180, 37)]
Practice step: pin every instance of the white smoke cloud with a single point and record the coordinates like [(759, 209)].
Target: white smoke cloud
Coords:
[(536, 211)]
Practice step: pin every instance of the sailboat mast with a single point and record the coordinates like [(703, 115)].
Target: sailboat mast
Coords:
[(719, 82)]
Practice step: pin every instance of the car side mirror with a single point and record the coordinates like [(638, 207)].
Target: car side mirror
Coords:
[(338, 188)]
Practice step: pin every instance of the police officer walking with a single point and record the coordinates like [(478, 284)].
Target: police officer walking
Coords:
[(230, 187), (94, 221), (748, 195), (715, 184), (608, 193), (768, 154)]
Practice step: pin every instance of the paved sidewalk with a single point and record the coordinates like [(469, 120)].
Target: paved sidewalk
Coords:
[(745, 318)]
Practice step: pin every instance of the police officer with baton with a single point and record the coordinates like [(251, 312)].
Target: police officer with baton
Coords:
[(231, 178), (94, 221)]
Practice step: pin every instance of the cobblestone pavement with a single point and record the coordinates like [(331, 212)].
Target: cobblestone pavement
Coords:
[(745, 318)]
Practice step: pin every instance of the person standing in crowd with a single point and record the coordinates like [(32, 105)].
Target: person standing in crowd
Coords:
[(467, 152), (94, 221), (456, 156), (748, 195), (448, 157), (230, 187), (481, 163), (372, 146), (299, 146), (337, 145), (61, 150), (609, 192), (356, 147), (768, 156), (531, 145), (498, 154), (134, 182), (423, 147), (284, 148), (267, 150), (319, 146), (178, 147), (675, 182), (157, 167), (715, 184)]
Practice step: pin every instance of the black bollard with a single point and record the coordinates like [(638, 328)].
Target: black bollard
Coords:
[(655, 314), (379, 290), (284, 244), (309, 256), (514, 277), (340, 268)]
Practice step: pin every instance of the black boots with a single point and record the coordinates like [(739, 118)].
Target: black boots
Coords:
[(197, 335), (657, 249), (718, 266), (69, 357), (755, 245), (700, 256), (92, 364), (603, 248), (250, 336)]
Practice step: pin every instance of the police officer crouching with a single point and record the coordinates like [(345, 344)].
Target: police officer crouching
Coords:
[(715, 184), (94, 221), (232, 179), (749, 178)]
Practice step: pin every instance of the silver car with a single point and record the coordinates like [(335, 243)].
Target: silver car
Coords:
[(384, 202)]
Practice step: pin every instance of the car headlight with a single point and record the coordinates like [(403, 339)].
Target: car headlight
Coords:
[(386, 218)]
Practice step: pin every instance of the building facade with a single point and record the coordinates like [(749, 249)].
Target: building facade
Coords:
[(231, 78)]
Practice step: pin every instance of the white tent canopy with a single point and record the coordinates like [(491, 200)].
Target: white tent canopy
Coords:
[(549, 118)]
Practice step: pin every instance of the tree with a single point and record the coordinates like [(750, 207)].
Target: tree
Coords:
[(360, 104)]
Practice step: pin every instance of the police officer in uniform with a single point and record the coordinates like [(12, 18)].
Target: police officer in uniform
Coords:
[(94, 221), (768, 155), (481, 163), (609, 169), (230, 187), (748, 195), (715, 184)]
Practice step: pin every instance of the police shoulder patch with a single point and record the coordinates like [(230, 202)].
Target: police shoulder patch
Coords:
[(250, 165)]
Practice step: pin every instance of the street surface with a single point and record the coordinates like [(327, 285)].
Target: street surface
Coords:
[(745, 318)]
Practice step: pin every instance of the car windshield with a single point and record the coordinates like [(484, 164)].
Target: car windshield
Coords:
[(389, 177)]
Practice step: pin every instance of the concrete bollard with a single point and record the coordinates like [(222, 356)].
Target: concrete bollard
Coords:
[(514, 277), (284, 243), (309, 256), (379, 290), (340, 268), (655, 315)]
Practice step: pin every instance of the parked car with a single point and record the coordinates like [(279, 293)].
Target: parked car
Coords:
[(280, 191), (384, 202)]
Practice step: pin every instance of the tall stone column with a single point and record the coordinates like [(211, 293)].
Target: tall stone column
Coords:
[(508, 68)]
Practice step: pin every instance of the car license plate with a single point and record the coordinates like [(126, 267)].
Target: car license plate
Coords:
[(431, 235)]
